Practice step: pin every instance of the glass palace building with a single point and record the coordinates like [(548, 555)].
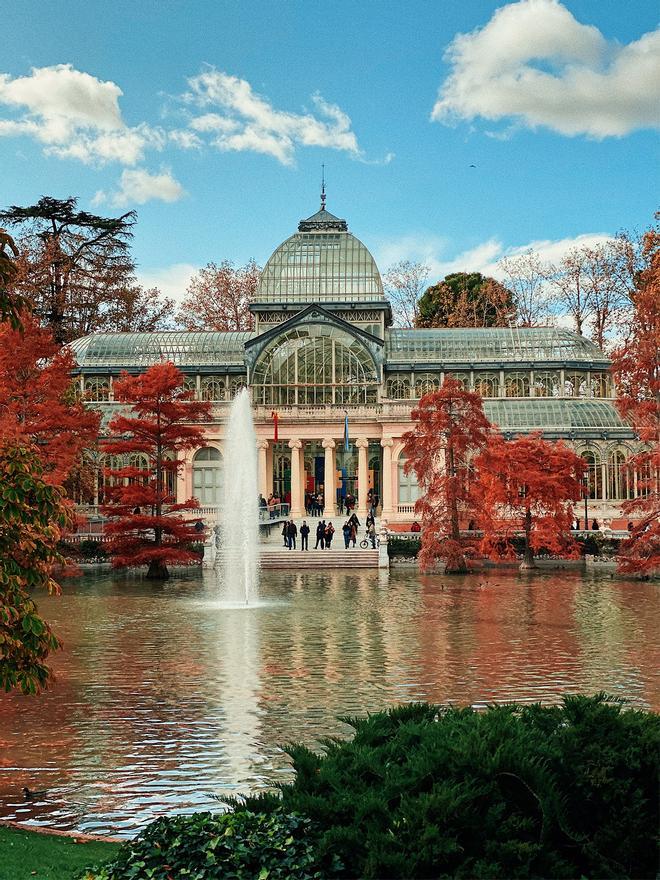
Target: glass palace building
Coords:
[(323, 347)]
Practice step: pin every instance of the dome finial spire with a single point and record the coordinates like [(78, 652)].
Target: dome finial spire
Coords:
[(323, 187)]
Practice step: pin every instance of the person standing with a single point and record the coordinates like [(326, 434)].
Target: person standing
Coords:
[(304, 535), (329, 532), (371, 534), (352, 534), (293, 531), (320, 535), (346, 531), (285, 532)]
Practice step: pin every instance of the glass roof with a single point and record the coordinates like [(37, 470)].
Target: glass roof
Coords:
[(185, 349), (546, 414), (491, 345), (321, 262)]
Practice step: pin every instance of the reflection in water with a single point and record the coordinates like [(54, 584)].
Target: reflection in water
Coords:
[(165, 700)]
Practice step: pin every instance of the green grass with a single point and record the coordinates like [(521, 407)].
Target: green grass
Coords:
[(26, 855)]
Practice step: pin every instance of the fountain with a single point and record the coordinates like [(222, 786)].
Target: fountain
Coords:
[(240, 508)]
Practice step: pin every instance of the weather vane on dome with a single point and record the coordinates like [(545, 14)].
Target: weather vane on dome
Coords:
[(323, 187)]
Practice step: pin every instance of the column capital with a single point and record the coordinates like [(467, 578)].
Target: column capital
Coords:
[(262, 444), (328, 443), (362, 443), (295, 444), (387, 441)]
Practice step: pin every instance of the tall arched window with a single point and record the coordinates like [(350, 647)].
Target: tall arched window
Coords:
[(398, 389), (487, 384), (408, 488), (463, 378), (208, 475), (315, 364), (594, 473), (516, 384), (619, 476), (575, 384), (547, 384), (213, 388), (426, 383), (97, 388)]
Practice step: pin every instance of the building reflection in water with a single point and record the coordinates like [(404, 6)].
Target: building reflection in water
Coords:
[(164, 700)]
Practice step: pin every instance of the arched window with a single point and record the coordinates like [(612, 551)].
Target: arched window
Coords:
[(208, 476), (408, 488), (398, 389), (236, 385), (619, 477), (547, 384), (516, 384), (426, 383), (575, 384), (315, 364), (600, 385), (487, 384), (97, 388), (594, 473), (190, 384), (463, 378), (213, 388)]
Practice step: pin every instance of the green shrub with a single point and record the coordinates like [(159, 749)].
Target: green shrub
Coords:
[(515, 791), (233, 846), (406, 547)]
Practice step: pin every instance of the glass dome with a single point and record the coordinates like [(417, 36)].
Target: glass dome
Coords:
[(322, 262)]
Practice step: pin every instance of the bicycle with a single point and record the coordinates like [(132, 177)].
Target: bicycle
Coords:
[(365, 543)]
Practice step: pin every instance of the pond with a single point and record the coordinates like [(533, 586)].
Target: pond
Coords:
[(164, 701)]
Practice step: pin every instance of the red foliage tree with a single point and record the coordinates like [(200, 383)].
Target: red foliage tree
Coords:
[(450, 428), (39, 407), (146, 525), (636, 368), (528, 484)]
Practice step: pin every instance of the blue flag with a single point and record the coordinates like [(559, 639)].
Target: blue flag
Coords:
[(347, 442)]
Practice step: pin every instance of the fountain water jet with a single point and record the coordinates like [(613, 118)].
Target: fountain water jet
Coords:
[(240, 509)]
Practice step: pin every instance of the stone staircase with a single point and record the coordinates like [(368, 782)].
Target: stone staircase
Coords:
[(301, 560)]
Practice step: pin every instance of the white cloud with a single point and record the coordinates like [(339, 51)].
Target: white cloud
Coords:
[(138, 186), (535, 63), (484, 257), (73, 115), (244, 121), (171, 280)]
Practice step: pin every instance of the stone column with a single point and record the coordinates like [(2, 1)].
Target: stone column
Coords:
[(269, 470), (296, 488), (388, 498), (262, 451), (363, 476), (329, 477)]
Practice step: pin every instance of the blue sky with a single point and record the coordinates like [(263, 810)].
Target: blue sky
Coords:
[(212, 119)]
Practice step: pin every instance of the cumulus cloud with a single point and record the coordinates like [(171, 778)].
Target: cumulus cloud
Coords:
[(483, 257), (137, 186), (73, 115), (535, 63), (237, 119), (171, 280)]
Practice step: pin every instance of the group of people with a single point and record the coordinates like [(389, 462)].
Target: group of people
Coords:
[(324, 534), (314, 504)]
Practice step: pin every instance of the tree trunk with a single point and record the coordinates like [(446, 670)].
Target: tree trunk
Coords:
[(527, 563), (456, 565), (157, 571)]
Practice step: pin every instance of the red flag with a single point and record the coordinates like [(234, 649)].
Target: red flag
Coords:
[(273, 416)]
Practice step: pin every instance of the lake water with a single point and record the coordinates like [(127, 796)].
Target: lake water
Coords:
[(165, 701)]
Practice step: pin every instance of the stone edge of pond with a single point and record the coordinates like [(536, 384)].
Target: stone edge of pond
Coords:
[(55, 832)]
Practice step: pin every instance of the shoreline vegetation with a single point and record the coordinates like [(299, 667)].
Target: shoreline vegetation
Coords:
[(527, 791)]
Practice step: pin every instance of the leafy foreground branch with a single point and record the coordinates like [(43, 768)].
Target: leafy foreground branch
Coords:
[(423, 791)]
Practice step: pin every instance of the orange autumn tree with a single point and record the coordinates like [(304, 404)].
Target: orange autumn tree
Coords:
[(528, 484), (450, 428), (145, 523), (39, 407), (636, 368)]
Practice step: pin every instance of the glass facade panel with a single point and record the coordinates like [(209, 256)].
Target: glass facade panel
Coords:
[(208, 476), (398, 389), (516, 384), (620, 484), (487, 384), (426, 383), (408, 488), (97, 388), (313, 365), (213, 388), (594, 473), (547, 384)]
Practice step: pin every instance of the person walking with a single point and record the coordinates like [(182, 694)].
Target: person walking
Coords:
[(293, 532), (320, 535), (304, 535), (352, 535), (346, 531), (329, 532), (354, 521)]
